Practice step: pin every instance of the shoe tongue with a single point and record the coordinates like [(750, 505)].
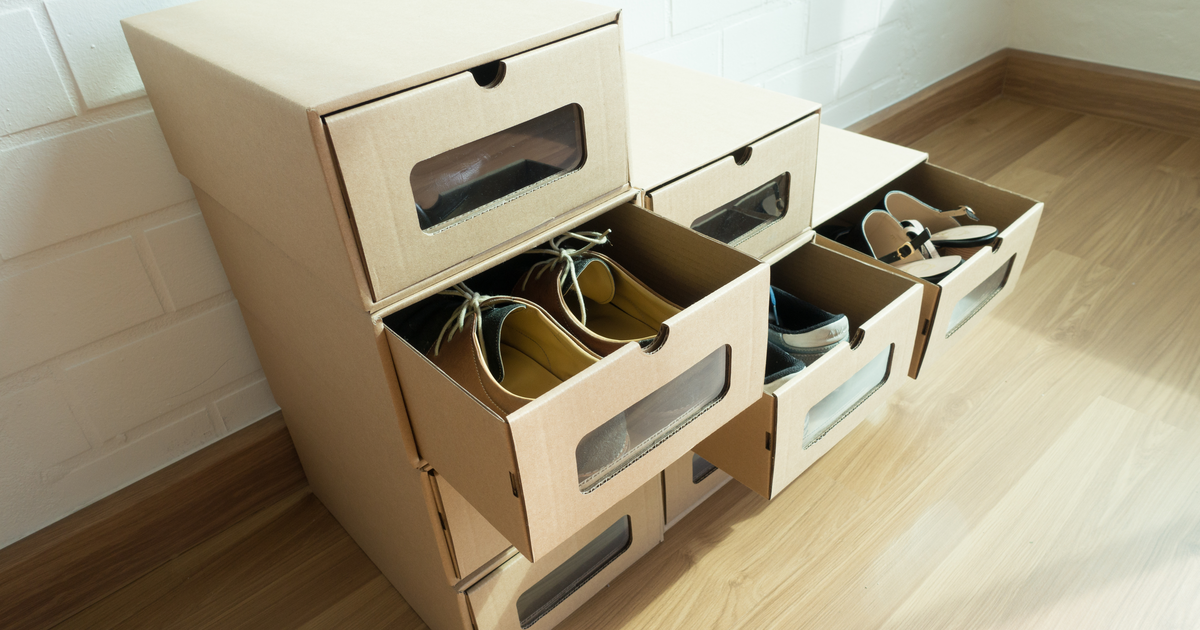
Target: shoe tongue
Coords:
[(595, 280), (493, 324)]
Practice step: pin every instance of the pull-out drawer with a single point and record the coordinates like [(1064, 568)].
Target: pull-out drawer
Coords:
[(687, 483), (522, 472), (757, 199), (523, 595), (769, 444), (450, 171), (951, 307)]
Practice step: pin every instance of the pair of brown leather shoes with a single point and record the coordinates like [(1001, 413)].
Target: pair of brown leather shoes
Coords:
[(565, 313)]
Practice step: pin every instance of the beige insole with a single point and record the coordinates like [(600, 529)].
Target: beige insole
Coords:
[(964, 232), (606, 320), (537, 354), (928, 267), (523, 376)]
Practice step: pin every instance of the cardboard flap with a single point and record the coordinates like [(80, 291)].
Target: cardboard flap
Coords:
[(376, 147), (470, 445), (473, 541), (744, 447), (681, 120), (791, 151), (851, 166)]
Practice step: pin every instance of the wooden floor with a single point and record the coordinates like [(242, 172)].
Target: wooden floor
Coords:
[(1046, 476)]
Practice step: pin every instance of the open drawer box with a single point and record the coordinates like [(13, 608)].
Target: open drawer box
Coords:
[(769, 444), (521, 472), (731, 161), (951, 307), (522, 595), (687, 483)]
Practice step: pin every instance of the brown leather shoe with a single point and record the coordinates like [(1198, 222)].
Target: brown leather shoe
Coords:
[(506, 351), (593, 297)]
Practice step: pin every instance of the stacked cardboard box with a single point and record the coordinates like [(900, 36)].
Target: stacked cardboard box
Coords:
[(352, 160)]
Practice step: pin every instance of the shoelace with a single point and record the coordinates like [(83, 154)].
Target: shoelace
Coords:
[(567, 255), (472, 304)]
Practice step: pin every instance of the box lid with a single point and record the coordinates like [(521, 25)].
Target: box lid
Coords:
[(328, 56), (851, 166), (681, 120)]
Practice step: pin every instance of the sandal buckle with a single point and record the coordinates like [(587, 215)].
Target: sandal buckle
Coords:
[(906, 254)]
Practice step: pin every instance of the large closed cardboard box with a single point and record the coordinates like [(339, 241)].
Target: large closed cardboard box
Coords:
[(732, 161), (386, 145), (855, 172), (773, 441), (522, 472)]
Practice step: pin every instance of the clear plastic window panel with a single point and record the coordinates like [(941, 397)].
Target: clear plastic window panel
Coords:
[(834, 408), (616, 444), (741, 218), (480, 175), (569, 576), (701, 468), (972, 302)]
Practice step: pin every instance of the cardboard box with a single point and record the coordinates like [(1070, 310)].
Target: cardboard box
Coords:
[(722, 157), (950, 307), (769, 444), (687, 483), (471, 545), (325, 128), (520, 472), (539, 595)]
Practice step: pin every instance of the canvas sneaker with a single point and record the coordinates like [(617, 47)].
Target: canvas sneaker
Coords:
[(803, 330)]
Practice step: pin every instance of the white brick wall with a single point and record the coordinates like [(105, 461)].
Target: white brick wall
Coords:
[(121, 346), (853, 56)]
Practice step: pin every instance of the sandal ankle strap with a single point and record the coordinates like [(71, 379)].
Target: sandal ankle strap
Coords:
[(907, 249)]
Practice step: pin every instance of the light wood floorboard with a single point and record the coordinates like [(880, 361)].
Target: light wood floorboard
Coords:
[(1044, 476)]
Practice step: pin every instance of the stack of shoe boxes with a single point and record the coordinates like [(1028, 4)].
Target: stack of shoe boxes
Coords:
[(354, 160)]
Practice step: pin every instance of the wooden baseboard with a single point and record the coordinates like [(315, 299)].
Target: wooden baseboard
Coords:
[(58, 571), (943, 102), (1142, 98)]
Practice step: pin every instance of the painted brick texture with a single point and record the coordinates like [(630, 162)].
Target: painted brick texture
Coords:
[(121, 346), (855, 57)]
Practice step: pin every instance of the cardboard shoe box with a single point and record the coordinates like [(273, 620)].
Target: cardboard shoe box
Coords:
[(732, 161), (855, 172), (386, 146), (525, 595), (521, 472), (687, 483), (769, 444)]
